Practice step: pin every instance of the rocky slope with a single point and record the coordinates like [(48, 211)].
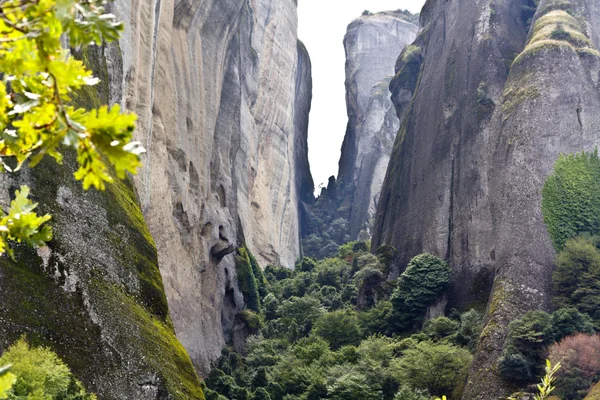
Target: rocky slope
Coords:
[(372, 43), (490, 99), (222, 89)]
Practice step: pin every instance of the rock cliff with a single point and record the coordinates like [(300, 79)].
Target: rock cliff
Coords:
[(372, 43), (490, 98), (223, 91), (549, 106), (95, 294)]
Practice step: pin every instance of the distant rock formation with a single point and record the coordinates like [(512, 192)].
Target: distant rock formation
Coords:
[(372, 43)]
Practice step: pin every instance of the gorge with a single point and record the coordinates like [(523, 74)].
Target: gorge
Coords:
[(456, 117)]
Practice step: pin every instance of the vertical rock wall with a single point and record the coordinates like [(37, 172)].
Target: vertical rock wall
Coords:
[(372, 43), (447, 85), (490, 98), (549, 107), (223, 93)]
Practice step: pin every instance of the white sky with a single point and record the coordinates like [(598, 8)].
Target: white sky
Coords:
[(322, 27)]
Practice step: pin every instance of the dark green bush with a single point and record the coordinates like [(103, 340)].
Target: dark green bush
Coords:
[(436, 367), (424, 280), (571, 197), (515, 368), (246, 280), (576, 278)]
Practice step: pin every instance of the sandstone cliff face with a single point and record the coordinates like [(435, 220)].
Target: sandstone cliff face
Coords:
[(372, 43), (223, 93), (489, 100)]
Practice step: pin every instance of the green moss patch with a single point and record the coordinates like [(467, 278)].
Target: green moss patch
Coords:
[(153, 338)]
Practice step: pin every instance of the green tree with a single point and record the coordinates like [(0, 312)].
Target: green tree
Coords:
[(41, 375), (424, 280), (339, 328), (37, 117), (576, 278), (348, 383), (439, 368), (571, 197), (304, 311)]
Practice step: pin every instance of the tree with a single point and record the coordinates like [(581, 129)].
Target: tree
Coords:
[(526, 343), (37, 118), (576, 278), (425, 278), (304, 311), (571, 197), (41, 375), (339, 328), (579, 356), (439, 368)]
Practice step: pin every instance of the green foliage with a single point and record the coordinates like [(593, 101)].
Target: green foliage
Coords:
[(571, 197), (406, 393), (42, 76), (439, 368), (576, 278), (306, 264), (7, 380), (529, 338), (39, 81), (339, 328), (425, 278), (22, 224), (41, 375), (321, 341), (246, 279)]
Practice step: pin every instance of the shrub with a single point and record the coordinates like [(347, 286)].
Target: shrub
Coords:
[(406, 393), (515, 368), (303, 311), (246, 280), (339, 328), (41, 374), (439, 368), (307, 264), (526, 341), (348, 383), (376, 319), (578, 354), (440, 328), (386, 255), (471, 323), (425, 278), (576, 278), (568, 321), (571, 197)]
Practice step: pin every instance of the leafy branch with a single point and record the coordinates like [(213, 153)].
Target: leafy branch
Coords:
[(36, 115)]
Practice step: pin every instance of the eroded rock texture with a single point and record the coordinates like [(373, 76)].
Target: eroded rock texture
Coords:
[(372, 43), (223, 92), (490, 98)]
